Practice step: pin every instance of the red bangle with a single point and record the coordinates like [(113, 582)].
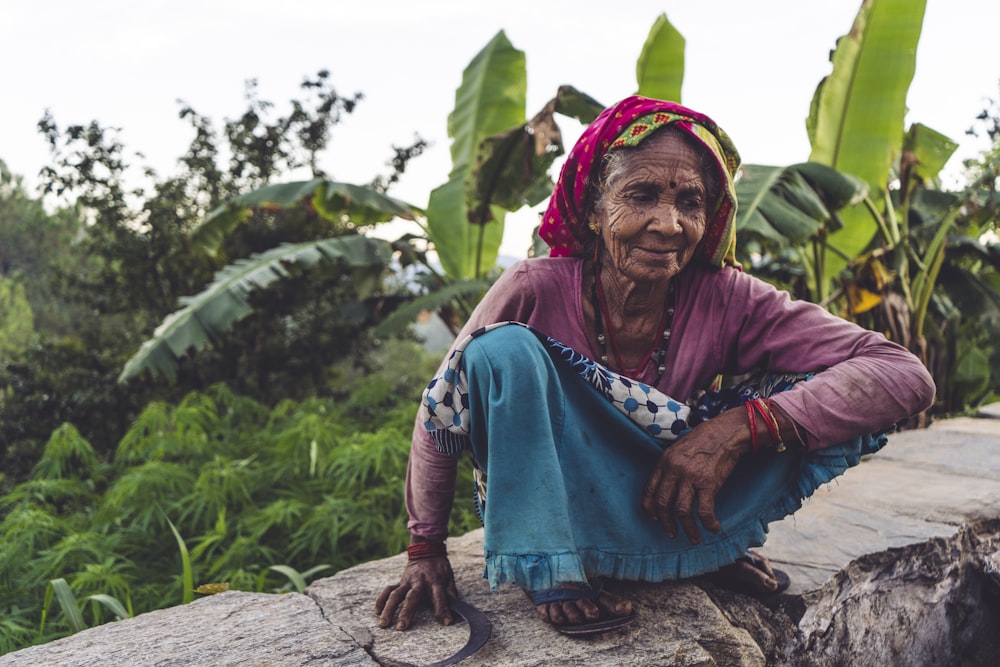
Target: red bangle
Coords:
[(425, 550), (752, 416), (760, 406)]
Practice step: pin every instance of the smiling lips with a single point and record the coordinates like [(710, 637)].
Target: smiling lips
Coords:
[(659, 251)]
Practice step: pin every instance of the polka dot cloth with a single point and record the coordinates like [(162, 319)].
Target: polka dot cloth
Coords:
[(445, 405)]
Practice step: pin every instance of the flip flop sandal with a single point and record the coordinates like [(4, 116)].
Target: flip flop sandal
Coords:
[(581, 629)]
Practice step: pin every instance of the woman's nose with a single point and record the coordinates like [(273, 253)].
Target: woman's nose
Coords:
[(665, 220)]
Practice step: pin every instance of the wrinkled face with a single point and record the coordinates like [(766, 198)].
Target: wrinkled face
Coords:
[(654, 208)]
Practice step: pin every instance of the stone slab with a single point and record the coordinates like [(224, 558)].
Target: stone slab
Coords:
[(246, 629), (922, 485), (991, 411), (678, 623)]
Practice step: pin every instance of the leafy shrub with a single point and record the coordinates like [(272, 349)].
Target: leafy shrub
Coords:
[(261, 499)]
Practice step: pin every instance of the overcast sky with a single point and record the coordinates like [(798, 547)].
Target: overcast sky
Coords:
[(751, 65)]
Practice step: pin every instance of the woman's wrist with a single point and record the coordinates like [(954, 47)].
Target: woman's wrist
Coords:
[(425, 549), (769, 426)]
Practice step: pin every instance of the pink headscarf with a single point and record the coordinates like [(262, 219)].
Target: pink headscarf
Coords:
[(564, 226)]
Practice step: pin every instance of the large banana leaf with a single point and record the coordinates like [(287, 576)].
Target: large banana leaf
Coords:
[(205, 316), (660, 68), (856, 120), (407, 313), (490, 100), (788, 205), (514, 165), (333, 200)]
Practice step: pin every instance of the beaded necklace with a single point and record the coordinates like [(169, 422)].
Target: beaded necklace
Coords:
[(657, 351)]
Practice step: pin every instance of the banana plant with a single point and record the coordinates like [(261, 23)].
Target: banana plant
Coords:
[(204, 317), (660, 68), (855, 122)]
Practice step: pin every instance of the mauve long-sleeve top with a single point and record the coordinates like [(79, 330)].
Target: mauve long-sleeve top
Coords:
[(725, 321)]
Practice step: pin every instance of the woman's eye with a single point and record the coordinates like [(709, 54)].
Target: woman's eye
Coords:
[(692, 200), (642, 196)]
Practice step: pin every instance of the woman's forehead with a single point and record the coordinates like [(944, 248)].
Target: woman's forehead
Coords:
[(659, 156)]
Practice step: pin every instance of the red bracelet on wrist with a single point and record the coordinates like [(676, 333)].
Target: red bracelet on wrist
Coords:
[(425, 550), (752, 417)]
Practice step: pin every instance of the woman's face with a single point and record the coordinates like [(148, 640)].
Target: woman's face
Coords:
[(654, 209)]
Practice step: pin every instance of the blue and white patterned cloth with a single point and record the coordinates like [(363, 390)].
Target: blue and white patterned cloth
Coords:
[(445, 406)]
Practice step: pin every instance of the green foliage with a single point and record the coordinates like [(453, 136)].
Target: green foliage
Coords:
[(213, 490), (66, 454), (490, 100), (111, 280), (856, 119), (207, 316), (660, 68), (17, 321)]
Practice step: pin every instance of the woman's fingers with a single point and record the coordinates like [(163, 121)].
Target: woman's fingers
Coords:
[(685, 513), (649, 493), (706, 511), (442, 613), (387, 603), (663, 504), (410, 605), (382, 597)]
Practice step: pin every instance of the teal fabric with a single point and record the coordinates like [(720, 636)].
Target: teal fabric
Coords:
[(566, 470)]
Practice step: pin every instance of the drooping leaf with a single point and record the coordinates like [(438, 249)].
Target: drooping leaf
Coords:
[(514, 165), (205, 316), (407, 313), (333, 200), (856, 120), (788, 205), (929, 151), (111, 603), (572, 103), (660, 68), (490, 100), (296, 579)]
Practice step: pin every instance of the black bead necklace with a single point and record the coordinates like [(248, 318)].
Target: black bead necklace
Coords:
[(657, 351)]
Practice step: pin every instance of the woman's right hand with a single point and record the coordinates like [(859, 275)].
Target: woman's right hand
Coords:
[(428, 579)]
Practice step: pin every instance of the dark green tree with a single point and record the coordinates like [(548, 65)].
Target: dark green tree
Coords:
[(134, 260)]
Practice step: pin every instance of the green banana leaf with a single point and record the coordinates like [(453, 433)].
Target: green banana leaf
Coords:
[(333, 200), (784, 206), (514, 165), (407, 313), (660, 68), (205, 316), (856, 119), (930, 151), (490, 100)]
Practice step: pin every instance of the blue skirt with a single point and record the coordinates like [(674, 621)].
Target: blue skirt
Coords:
[(566, 469)]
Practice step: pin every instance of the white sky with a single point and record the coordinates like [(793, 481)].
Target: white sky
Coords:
[(751, 65)]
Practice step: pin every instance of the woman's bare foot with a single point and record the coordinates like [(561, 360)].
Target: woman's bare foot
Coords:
[(578, 612), (752, 574)]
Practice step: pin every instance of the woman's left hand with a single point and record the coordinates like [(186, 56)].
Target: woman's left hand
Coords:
[(692, 470)]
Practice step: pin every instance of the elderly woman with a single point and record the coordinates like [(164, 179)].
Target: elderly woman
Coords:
[(585, 388)]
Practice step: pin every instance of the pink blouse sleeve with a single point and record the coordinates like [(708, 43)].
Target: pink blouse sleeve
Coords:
[(430, 474), (864, 383)]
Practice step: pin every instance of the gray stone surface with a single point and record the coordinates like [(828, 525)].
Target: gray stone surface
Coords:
[(679, 623), (991, 411), (247, 629), (923, 484), (897, 562), (924, 604)]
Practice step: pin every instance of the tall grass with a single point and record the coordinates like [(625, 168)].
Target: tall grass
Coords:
[(215, 493)]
